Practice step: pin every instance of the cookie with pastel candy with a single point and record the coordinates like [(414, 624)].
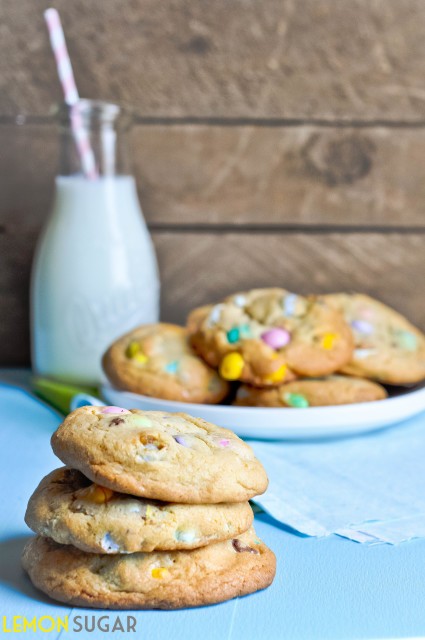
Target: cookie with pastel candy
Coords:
[(266, 337), (157, 360), (158, 580), (309, 392), (166, 456), (70, 509), (152, 511), (388, 348)]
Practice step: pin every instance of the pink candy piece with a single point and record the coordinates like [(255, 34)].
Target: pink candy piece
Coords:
[(114, 410), (276, 338), (224, 442), (366, 312)]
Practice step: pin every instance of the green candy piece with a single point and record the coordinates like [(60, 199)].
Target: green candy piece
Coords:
[(245, 330), (297, 400), (141, 421), (407, 340), (233, 335)]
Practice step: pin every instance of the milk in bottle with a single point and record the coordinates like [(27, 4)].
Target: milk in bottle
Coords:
[(95, 273)]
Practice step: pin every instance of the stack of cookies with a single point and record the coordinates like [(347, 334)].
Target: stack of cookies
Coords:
[(151, 511), (270, 347)]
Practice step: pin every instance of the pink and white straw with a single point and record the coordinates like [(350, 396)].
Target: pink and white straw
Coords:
[(67, 80)]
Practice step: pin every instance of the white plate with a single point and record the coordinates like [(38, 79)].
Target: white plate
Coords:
[(271, 424)]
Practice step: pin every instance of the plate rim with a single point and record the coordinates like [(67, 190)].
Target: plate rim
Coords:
[(358, 407)]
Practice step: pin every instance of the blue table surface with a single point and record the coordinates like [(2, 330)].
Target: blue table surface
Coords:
[(324, 588)]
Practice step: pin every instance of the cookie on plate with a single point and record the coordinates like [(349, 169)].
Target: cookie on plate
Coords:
[(161, 580), (165, 456), (269, 336), (388, 348), (70, 509), (320, 392), (157, 360)]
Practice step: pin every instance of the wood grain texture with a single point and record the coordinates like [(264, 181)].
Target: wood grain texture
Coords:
[(321, 59), (200, 268), (304, 175), (282, 175)]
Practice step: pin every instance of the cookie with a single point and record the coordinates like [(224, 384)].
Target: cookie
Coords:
[(165, 456), (320, 392), (68, 508), (269, 336), (157, 360), (388, 348), (161, 580)]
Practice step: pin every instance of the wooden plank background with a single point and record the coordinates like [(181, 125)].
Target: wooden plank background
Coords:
[(276, 142)]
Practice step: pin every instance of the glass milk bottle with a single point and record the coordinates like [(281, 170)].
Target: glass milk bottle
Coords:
[(94, 274)]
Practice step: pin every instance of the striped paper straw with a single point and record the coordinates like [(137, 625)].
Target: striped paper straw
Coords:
[(67, 80)]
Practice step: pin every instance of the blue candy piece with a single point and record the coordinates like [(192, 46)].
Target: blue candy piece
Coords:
[(233, 335), (172, 367), (362, 326), (289, 304), (185, 536)]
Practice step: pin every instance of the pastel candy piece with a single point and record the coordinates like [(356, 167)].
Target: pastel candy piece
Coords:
[(297, 400), (108, 544), (172, 367), (362, 354), (233, 335), (239, 300), (159, 572), (407, 340), (224, 442), (277, 376), (141, 421), (114, 410), (289, 304), (185, 536), (245, 330), (366, 312), (328, 340), (141, 358), (149, 511), (215, 313), (362, 326), (231, 366), (181, 440), (96, 494), (132, 349), (276, 338), (147, 457)]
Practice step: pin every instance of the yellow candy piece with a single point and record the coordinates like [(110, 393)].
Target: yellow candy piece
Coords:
[(132, 349), (278, 375), (328, 340), (140, 358), (159, 573), (232, 366), (149, 511), (97, 494)]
